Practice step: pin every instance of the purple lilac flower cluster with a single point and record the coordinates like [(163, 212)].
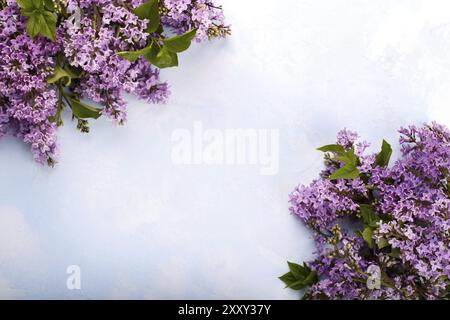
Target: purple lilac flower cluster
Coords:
[(184, 15), (384, 234), (26, 100), (56, 55)]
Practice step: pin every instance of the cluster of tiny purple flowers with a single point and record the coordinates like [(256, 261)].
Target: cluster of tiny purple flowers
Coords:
[(43, 74), (184, 15), (385, 232)]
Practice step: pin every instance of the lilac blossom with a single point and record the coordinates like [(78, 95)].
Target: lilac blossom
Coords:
[(88, 36), (204, 15), (26, 100), (408, 236)]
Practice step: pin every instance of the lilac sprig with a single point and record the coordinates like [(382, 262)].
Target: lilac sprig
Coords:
[(184, 15), (394, 220), (59, 55)]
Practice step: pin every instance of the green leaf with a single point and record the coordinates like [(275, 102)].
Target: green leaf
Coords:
[(49, 5), (48, 25), (158, 56), (75, 73), (299, 276), (28, 13), (145, 10), (166, 59), (367, 235), (369, 218), (348, 157), (64, 74), (299, 272), (83, 111), (41, 18), (129, 55), (162, 58), (150, 55), (395, 253), (382, 243), (180, 43), (297, 285), (352, 158), (288, 279), (155, 54), (311, 278), (37, 3), (335, 148), (33, 25), (26, 4), (343, 159), (134, 55), (348, 171), (40, 21), (149, 10), (291, 282), (384, 156)]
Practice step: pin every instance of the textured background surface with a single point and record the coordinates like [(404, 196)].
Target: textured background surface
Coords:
[(141, 227)]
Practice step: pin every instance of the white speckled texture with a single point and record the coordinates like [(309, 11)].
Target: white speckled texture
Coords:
[(141, 227)]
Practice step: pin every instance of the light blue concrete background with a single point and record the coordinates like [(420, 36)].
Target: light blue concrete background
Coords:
[(141, 227)]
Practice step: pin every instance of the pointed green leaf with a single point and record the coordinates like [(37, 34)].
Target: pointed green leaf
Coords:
[(348, 171), (384, 156), (395, 253), (129, 55), (144, 11), (382, 243), (149, 10), (41, 18), (166, 59), (288, 279), (48, 25), (134, 55), (83, 111), (181, 42), (41, 22), (26, 4), (311, 278), (298, 271), (49, 5), (151, 54), (38, 3), (297, 285), (74, 73), (64, 74), (335, 148), (162, 58), (369, 218), (28, 13), (33, 26), (299, 276), (343, 159), (367, 235), (352, 158)]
